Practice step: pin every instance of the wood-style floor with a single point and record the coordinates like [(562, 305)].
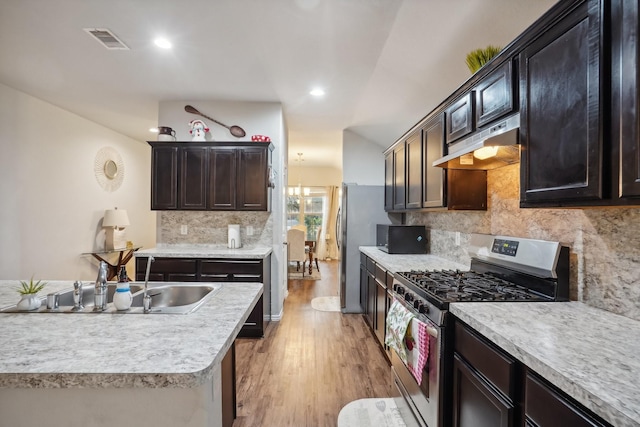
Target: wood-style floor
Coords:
[(310, 364)]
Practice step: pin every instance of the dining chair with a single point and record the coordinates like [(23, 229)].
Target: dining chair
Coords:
[(296, 248)]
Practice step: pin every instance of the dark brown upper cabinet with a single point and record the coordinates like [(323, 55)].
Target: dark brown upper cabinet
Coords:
[(193, 178), (459, 118), (388, 181), (561, 111), (414, 171), (433, 189), (625, 102), (494, 95), (210, 176), (164, 177), (399, 181), (223, 177)]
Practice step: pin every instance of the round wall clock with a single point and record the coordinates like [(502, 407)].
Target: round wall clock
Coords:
[(109, 169)]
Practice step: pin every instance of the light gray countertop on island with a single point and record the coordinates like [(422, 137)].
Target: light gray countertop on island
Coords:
[(61, 350), (590, 354), (402, 262), (205, 251)]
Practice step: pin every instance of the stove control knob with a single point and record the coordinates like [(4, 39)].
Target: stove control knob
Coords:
[(423, 309), (416, 304), (408, 297), (399, 289)]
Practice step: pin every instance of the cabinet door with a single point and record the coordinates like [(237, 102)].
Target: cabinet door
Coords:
[(164, 178), (560, 104), (388, 181), (494, 95), (222, 178), (381, 311), (625, 97), (460, 118), (363, 289), (252, 179), (414, 171), (399, 189), (372, 295), (433, 177), (194, 167), (475, 403)]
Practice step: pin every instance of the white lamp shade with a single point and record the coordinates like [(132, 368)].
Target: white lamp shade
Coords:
[(115, 218)]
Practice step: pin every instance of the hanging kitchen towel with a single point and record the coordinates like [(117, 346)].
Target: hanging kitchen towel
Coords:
[(398, 320), (416, 342)]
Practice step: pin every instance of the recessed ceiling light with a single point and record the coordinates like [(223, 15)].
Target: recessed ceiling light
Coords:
[(154, 130), (162, 43), (317, 92)]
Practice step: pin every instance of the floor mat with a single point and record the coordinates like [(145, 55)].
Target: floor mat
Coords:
[(371, 413), (293, 274), (326, 303)]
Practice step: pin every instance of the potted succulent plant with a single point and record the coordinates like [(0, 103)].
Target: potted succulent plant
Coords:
[(29, 291), (477, 58)]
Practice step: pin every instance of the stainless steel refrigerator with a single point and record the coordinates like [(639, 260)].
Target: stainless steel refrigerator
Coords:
[(362, 207)]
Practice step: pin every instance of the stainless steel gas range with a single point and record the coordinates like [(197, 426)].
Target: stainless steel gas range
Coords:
[(502, 269)]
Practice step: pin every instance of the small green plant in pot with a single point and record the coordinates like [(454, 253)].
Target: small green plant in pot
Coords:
[(477, 58), (29, 291)]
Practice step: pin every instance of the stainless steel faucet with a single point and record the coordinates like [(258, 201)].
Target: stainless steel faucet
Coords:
[(100, 295), (146, 299), (77, 296)]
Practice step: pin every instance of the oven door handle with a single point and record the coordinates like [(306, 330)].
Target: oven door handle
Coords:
[(432, 331)]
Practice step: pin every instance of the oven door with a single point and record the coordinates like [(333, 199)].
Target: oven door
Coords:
[(424, 400)]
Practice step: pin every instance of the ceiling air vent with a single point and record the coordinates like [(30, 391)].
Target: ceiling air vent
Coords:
[(106, 38)]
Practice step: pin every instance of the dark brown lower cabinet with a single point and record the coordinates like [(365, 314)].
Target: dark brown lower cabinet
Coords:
[(228, 374), (217, 270), (492, 389), (475, 402), (484, 388)]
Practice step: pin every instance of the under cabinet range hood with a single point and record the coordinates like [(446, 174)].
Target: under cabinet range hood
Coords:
[(491, 148)]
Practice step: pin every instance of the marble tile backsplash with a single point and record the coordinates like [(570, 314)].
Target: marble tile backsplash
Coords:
[(205, 227), (604, 242)]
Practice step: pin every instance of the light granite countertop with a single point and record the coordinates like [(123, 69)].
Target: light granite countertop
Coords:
[(205, 251), (590, 354), (402, 262), (61, 350)]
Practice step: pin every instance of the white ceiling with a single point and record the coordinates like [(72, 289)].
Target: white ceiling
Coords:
[(383, 63)]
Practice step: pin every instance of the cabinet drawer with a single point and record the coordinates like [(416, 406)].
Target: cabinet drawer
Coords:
[(237, 268), (496, 366), (545, 407), (381, 275), (168, 265), (371, 266)]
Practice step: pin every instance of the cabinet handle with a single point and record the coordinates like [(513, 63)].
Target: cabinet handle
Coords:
[(250, 324)]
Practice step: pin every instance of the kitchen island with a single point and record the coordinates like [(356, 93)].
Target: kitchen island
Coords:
[(78, 369)]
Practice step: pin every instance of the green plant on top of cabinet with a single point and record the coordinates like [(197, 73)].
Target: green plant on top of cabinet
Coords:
[(561, 111), (210, 176)]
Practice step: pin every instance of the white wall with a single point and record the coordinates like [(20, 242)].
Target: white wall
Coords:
[(256, 118), (362, 160), (310, 176), (51, 204)]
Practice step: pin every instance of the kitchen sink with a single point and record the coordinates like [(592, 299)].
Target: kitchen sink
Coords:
[(166, 298)]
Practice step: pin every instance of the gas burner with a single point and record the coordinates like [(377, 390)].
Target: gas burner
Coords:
[(454, 285)]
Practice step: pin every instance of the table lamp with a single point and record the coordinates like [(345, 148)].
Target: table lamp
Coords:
[(115, 220)]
